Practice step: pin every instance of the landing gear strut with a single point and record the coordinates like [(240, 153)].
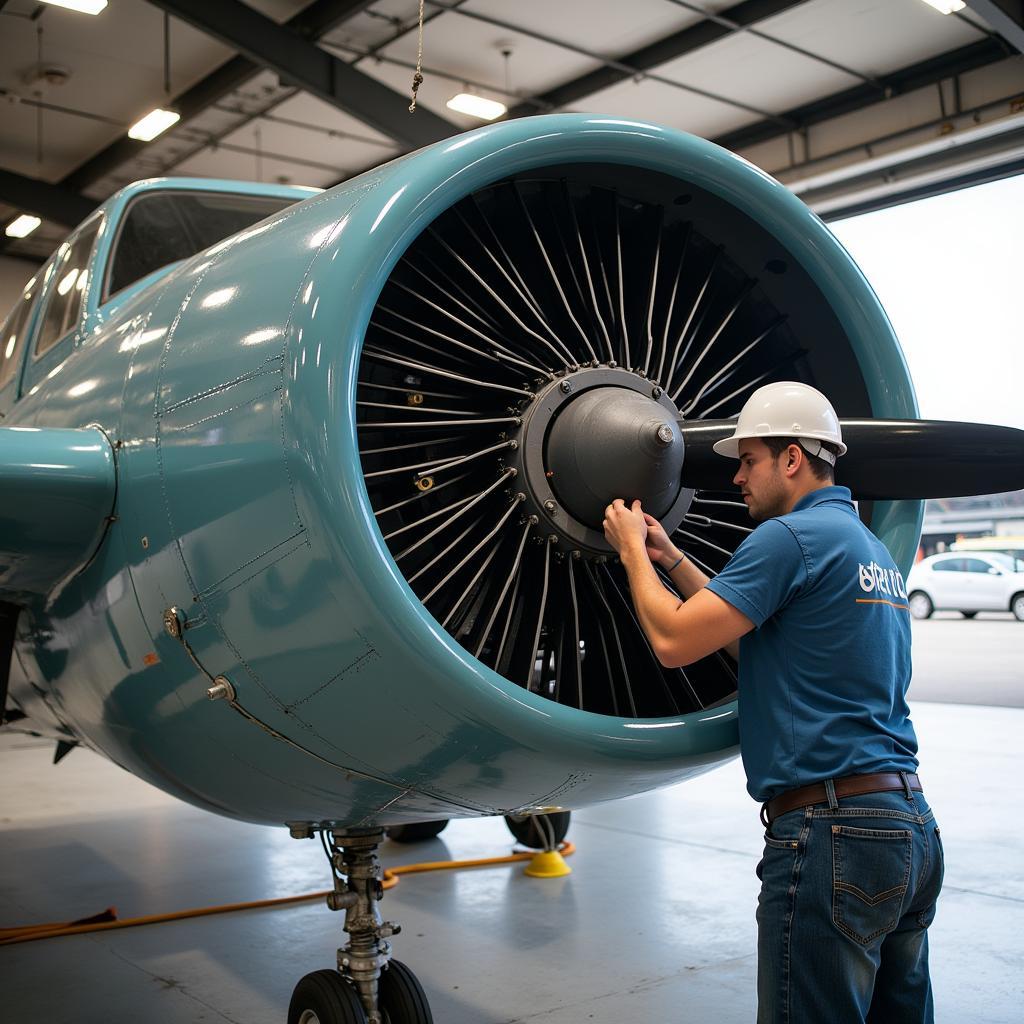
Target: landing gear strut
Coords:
[(368, 987)]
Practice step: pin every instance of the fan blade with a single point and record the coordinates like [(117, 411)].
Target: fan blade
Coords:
[(888, 458)]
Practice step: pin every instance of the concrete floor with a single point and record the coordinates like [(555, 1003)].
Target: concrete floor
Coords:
[(969, 661), (655, 923)]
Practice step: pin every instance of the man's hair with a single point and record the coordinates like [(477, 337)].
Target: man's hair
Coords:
[(819, 467)]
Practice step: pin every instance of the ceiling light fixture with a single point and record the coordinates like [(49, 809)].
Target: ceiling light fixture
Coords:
[(22, 226), (155, 122), (476, 106), (946, 6), (82, 6)]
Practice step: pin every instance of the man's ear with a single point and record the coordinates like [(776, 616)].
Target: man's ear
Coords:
[(794, 457)]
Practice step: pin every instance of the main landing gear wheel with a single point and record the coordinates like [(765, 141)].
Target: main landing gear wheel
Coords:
[(324, 997), (539, 831), (417, 831), (402, 999), (368, 987)]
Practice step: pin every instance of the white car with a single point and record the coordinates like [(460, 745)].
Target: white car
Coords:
[(967, 582)]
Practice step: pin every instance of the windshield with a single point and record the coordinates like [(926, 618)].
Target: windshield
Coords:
[(159, 228)]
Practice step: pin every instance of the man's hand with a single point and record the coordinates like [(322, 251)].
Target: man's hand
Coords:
[(625, 528), (660, 549)]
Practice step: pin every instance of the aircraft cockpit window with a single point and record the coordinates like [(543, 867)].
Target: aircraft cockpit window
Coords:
[(159, 228), (12, 340), (70, 280)]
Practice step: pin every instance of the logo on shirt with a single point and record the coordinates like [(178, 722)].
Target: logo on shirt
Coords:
[(875, 579)]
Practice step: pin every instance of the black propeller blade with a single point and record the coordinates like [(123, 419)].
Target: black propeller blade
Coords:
[(888, 458)]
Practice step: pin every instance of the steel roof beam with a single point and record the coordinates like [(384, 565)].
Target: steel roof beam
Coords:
[(1004, 16), (303, 64), (314, 21), (915, 76), (262, 112), (694, 37), (982, 176), (51, 202)]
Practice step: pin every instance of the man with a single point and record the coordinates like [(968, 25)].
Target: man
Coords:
[(814, 609)]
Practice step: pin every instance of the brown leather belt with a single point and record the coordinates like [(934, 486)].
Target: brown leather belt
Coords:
[(852, 785)]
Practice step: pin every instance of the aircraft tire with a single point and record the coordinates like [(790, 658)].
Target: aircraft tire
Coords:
[(528, 833), (324, 997), (417, 831), (402, 999)]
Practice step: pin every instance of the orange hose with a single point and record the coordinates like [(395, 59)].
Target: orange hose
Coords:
[(107, 920)]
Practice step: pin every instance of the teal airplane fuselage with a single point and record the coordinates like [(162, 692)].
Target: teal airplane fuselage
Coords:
[(186, 513)]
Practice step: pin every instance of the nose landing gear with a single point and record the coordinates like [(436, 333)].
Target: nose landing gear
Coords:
[(368, 986)]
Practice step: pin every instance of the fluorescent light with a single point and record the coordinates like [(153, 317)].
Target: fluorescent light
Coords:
[(22, 226), (476, 106), (155, 122), (82, 6), (946, 6)]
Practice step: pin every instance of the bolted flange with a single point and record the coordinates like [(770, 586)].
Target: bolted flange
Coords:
[(604, 433)]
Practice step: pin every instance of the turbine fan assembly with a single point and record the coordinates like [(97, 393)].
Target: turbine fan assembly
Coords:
[(532, 356)]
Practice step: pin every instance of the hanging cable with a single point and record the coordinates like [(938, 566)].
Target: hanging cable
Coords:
[(417, 78)]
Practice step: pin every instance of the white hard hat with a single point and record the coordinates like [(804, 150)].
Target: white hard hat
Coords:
[(787, 408)]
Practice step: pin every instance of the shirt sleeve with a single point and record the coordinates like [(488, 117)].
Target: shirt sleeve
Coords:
[(765, 572)]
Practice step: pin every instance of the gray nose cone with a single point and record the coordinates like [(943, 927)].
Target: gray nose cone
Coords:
[(614, 443)]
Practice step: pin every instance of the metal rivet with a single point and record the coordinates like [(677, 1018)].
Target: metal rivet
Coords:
[(565, 387), (550, 506), (656, 392), (221, 689)]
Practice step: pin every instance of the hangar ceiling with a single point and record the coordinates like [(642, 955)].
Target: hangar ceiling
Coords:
[(856, 104)]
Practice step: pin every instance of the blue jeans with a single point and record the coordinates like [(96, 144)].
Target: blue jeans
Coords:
[(848, 889)]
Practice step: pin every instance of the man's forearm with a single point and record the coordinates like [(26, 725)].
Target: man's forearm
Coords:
[(655, 605), (686, 576)]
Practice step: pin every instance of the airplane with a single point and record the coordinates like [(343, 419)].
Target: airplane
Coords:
[(303, 489)]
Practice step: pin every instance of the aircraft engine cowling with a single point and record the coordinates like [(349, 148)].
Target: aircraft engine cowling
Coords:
[(362, 452)]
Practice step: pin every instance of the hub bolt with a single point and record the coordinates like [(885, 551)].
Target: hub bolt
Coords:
[(565, 387), (656, 392), (665, 435), (550, 506)]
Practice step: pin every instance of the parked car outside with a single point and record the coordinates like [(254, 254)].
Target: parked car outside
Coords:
[(967, 583)]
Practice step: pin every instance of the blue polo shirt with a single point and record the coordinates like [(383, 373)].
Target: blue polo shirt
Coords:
[(824, 675)]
